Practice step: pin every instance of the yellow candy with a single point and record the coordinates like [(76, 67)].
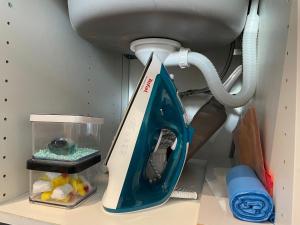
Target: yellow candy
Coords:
[(80, 189), (59, 181), (78, 186), (74, 183), (45, 196)]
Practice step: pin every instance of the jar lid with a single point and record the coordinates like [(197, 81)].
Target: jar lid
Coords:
[(65, 119), (69, 167)]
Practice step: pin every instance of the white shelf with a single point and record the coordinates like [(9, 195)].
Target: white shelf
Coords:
[(214, 208), (211, 209), (175, 212), (215, 211), (21, 212)]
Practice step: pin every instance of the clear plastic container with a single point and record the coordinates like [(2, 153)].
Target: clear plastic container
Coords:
[(65, 155), (62, 189), (64, 137)]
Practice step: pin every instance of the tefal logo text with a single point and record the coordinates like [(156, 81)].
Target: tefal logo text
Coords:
[(148, 85)]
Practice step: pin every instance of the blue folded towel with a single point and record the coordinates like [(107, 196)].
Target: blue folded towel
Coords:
[(248, 198)]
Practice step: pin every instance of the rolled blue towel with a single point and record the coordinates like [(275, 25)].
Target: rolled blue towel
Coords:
[(248, 198)]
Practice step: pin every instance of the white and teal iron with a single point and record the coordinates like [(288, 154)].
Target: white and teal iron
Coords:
[(154, 111)]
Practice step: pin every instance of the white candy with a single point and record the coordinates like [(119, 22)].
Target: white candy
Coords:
[(52, 175), (40, 186), (62, 192)]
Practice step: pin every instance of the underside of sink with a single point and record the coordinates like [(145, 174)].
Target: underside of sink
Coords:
[(197, 24)]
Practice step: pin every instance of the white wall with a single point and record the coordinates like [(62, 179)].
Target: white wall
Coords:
[(276, 100), (296, 42), (50, 69)]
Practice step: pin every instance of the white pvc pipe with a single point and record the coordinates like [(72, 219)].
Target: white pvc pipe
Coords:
[(249, 65), (234, 76)]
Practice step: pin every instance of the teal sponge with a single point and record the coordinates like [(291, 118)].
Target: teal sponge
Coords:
[(76, 155)]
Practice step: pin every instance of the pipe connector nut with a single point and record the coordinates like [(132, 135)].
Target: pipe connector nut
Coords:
[(183, 57)]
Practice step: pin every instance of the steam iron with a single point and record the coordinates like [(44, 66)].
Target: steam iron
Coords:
[(154, 114)]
